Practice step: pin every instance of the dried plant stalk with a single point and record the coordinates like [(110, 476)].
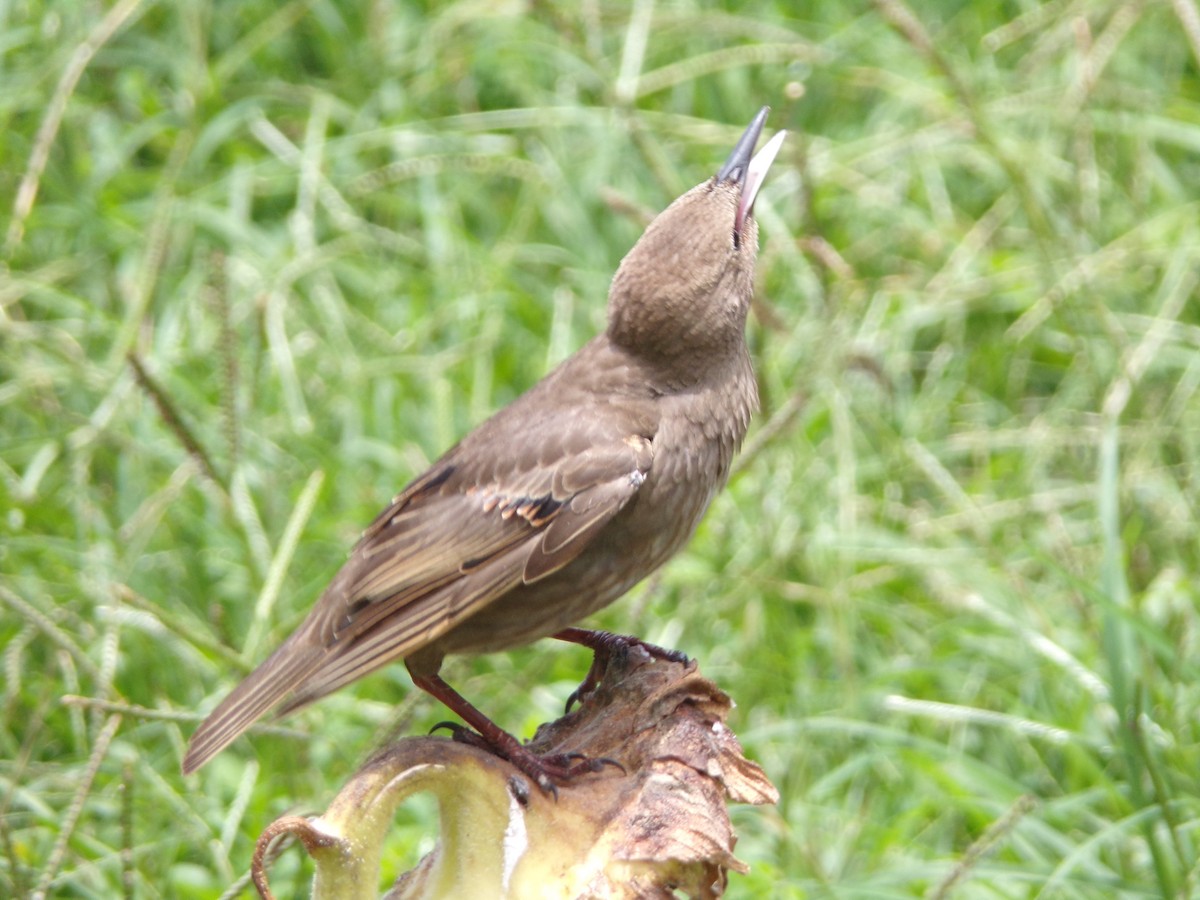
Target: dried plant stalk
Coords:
[(660, 828)]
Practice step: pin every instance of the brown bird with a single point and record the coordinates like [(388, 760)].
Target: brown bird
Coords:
[(563, 500)]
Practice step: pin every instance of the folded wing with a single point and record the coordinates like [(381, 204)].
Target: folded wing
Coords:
[(455, 540)]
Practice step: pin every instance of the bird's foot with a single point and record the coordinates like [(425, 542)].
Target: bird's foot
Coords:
[(547, 772), (604, 645)]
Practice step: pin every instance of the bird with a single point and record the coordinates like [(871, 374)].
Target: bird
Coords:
[(561, 501)]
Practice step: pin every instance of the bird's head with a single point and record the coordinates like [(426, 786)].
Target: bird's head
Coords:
[(685, 287)]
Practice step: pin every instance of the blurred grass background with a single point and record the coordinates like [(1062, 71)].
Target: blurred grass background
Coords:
[(263, 262)]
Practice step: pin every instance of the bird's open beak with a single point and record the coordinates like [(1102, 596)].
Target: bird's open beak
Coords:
[(748, 171)]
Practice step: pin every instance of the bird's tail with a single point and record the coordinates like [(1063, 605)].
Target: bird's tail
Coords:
[(281, 673)]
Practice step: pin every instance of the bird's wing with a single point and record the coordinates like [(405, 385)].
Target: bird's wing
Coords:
[(472, 528), (449, 547)]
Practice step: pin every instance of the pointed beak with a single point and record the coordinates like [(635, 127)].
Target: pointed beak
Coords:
[(747, 171)]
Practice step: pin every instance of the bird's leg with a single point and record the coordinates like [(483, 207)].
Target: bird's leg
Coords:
[(544, 770), (603, 645)]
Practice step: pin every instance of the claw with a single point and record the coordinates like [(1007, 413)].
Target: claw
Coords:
[(590, 681), (601, 761), (546, 771), (603, 645), (570, 765), (596, 763)]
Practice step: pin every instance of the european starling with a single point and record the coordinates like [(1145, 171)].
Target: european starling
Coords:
[(563, 500)]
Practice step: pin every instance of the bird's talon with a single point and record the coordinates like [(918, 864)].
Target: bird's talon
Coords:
[(600, 762)]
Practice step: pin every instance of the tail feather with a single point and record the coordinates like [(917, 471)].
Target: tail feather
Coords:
[(281, 673)]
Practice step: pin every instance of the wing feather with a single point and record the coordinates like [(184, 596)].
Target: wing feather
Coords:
[(472, 528), (489, 542)]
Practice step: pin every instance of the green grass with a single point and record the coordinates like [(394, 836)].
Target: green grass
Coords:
[(953, 583)]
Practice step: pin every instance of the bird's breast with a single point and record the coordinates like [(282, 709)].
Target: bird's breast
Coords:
[(698, 435)]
